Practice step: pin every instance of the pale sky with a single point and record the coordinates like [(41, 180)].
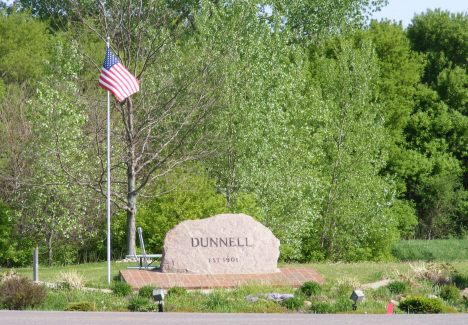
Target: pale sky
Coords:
[(404, 10)]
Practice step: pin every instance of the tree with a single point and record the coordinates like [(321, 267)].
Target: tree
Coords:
[(313, 19), (23, 47), (183, 73), (353, 205)]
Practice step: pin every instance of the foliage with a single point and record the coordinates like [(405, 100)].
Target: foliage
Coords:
[(310, 288), (146, 291), (430, 250), (71, 279), (19, 292), (450, 292), (398, 287), (194, 198), (23, 47), (421, 305), (349, 165), (292, 303), (319, 307), (122, 289), (460, 280), (176, 291), (80, 306), (138, 304)]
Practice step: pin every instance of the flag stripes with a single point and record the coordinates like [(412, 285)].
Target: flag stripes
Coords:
[(116, 79)]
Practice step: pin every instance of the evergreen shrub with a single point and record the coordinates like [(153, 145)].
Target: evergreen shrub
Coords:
[(450, 292), (421, 305), (310, 288), (19, 292), (80, 306)]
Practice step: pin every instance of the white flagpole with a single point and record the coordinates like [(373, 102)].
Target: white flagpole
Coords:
[(108, 187)]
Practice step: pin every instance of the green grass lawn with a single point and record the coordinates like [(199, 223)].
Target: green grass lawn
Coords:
[(95, 274)]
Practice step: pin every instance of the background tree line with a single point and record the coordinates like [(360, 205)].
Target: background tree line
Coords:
[(341, 134)]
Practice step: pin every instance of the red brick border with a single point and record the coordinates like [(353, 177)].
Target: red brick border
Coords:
[(290, 276)]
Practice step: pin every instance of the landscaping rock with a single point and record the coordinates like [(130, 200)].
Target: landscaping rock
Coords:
[(225, 243)]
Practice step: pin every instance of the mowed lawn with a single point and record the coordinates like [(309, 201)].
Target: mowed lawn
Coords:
[(95, 274)]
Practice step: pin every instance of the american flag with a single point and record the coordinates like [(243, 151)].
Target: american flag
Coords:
[(116, 79)]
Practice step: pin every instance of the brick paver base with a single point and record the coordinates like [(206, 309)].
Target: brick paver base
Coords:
[(290, 276)]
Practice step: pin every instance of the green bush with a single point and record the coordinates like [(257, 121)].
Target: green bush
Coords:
[(421, 305), (176, 291), (19, 292), (310, 288), (146, 291), (138, 304), (80, 306), (460, 280), (321, 308), (398, 287), (450, 292), (292, 303), (122, 289)]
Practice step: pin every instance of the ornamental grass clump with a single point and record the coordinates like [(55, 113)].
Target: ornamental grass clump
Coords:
[(122, 289), (19, 293), (146, 292), (176, 291), (71, 280)]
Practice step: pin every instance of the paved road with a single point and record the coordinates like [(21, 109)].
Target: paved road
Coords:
[(95, 318)]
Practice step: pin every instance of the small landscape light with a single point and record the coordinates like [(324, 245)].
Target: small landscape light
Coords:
[(356, 296), (158, 295)]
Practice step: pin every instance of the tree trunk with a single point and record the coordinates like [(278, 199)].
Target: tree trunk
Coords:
[(131, 180), (131, 212)]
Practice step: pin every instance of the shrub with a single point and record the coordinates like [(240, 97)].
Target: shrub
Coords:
[(450, 292), (460, 280), (292, 303), (176, 291), (146, 292), (122, 289), (80, 306), (19, 292), (421, 305), (310, 288), (321, 308), (397, 287), (138, 304)]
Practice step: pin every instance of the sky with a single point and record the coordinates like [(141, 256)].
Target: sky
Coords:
[(404, 10)]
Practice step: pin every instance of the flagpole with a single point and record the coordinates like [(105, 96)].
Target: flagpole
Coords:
[(108, 187)]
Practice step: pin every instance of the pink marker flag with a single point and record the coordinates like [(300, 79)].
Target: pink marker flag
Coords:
[(390, 309), (116, 79)]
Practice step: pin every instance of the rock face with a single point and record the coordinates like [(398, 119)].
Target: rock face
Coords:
[(225, 243)]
